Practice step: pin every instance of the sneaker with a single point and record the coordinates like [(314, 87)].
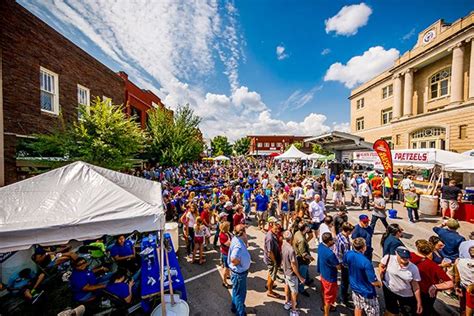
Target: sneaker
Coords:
[(294, 313), (287, 306)]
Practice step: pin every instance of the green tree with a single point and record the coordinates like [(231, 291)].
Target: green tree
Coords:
[(298, 145), (242, 146), (104, 136), (220, 146), (174, 139), (317, 149)]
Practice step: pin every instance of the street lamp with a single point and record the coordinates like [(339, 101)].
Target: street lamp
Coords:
[(256, 144)]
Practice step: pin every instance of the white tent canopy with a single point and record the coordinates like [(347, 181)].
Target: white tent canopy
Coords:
[(314, 156), (422, 158), (78, 201), (221, 158), (469, 153), (292, 153), (463, 166)]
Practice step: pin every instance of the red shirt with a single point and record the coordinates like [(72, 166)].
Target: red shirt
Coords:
[(376, 182), (238, 219), (223, 238), (430, 272), (205, 217), (228, 192)]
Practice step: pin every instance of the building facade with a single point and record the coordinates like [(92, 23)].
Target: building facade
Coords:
[(426, 100), (139, 101), (43, 75), (264, 145)]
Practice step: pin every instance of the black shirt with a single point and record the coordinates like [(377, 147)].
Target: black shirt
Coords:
[(338, 221), (450, 193)]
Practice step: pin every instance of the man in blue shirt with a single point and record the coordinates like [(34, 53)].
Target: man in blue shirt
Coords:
[(84, 284), (362, 279), (328, 264), (451, 238), (261, 201), (119, 286), (247, 197), (239, 264), (123, 253), (365, 231)]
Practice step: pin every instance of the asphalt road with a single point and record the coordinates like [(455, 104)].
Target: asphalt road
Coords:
[(206, 295)]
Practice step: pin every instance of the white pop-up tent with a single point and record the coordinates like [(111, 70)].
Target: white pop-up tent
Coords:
[(292, 153), (221, 158), (463, 166), (314, 156), (77, 202)]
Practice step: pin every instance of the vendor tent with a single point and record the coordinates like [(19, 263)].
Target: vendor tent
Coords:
[(221, 158), (78, 201), (292, 153), (469, 153), (421, 158), (314, 156), (463, 166)]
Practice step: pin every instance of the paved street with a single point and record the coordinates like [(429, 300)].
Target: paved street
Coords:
[(208, 297)]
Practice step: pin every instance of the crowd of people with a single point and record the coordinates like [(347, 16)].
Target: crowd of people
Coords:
[(216, 204)]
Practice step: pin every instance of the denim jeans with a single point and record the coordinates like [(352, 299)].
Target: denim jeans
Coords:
[(303, 270), (239, 292), (412, 211), (344, 288), (374, 220)]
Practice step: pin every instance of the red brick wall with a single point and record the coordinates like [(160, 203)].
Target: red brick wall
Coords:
[(28, 43), (284, 139)]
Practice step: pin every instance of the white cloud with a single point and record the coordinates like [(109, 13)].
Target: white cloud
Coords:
[(341, 127), (177, 44), (409, 35), (280, 52), (325, 51), (298, 99), (362, 68), (349, 19)]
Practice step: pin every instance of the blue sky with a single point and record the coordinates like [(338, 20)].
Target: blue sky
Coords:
[(250, 67)]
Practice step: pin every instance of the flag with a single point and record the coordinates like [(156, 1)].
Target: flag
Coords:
[(382, 149)]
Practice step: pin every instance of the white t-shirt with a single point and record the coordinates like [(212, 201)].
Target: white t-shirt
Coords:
[(464, 248), (406, 184), (298, 192), (323, 228), (264, 183), (191, 220), (316, 211), (466, 271), (310, 194), (364, 189), (398, 278)]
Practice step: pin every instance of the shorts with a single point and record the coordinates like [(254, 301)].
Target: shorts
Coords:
[(315, 226), (292, 283), (198, 240), (469, 299), (262, 216), (272, 270), (224, 261), (246, 206), (453, 205), (397, 304), (370, 306), (337, 196), (329, 291)]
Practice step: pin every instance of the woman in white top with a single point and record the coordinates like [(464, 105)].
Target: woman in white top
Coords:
[(400, 280)]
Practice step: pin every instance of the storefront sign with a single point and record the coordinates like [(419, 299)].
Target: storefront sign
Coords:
[(382, 149)]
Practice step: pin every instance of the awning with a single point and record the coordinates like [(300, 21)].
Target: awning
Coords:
[(340, 141)]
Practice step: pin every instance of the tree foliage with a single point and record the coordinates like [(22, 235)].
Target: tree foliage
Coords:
[(242, 146), (298, 145), (174, 139), (220, 146), (104, 136), (317, 149)]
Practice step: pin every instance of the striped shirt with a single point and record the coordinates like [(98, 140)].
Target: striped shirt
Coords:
[(343, 245)]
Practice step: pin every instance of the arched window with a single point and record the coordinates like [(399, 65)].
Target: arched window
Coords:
[(428, 137), (440, 83)]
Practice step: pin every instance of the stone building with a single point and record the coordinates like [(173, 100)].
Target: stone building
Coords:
[(426, 100), (42, 74), (264, 145)]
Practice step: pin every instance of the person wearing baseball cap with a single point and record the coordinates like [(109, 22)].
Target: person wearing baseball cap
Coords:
[(363, 230), (400, 279), (450, 237), (228, 208)]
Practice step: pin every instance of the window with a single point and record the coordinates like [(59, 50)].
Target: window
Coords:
[(360, 124), (279, 145), (360, 103), (273, 145), (387, 91), (386, 116), (462, 131), (267, 144), (259, 145), (49, 87), (439, 84), (428, 137), (154, 105), (136, 114), (397, 139), (83, 98)]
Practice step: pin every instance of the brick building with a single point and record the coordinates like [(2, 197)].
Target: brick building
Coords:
[(138, 101), (264, 145), (43, 74), (426, 100)]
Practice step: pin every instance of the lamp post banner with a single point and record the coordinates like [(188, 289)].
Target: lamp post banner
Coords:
[(382, 149)]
